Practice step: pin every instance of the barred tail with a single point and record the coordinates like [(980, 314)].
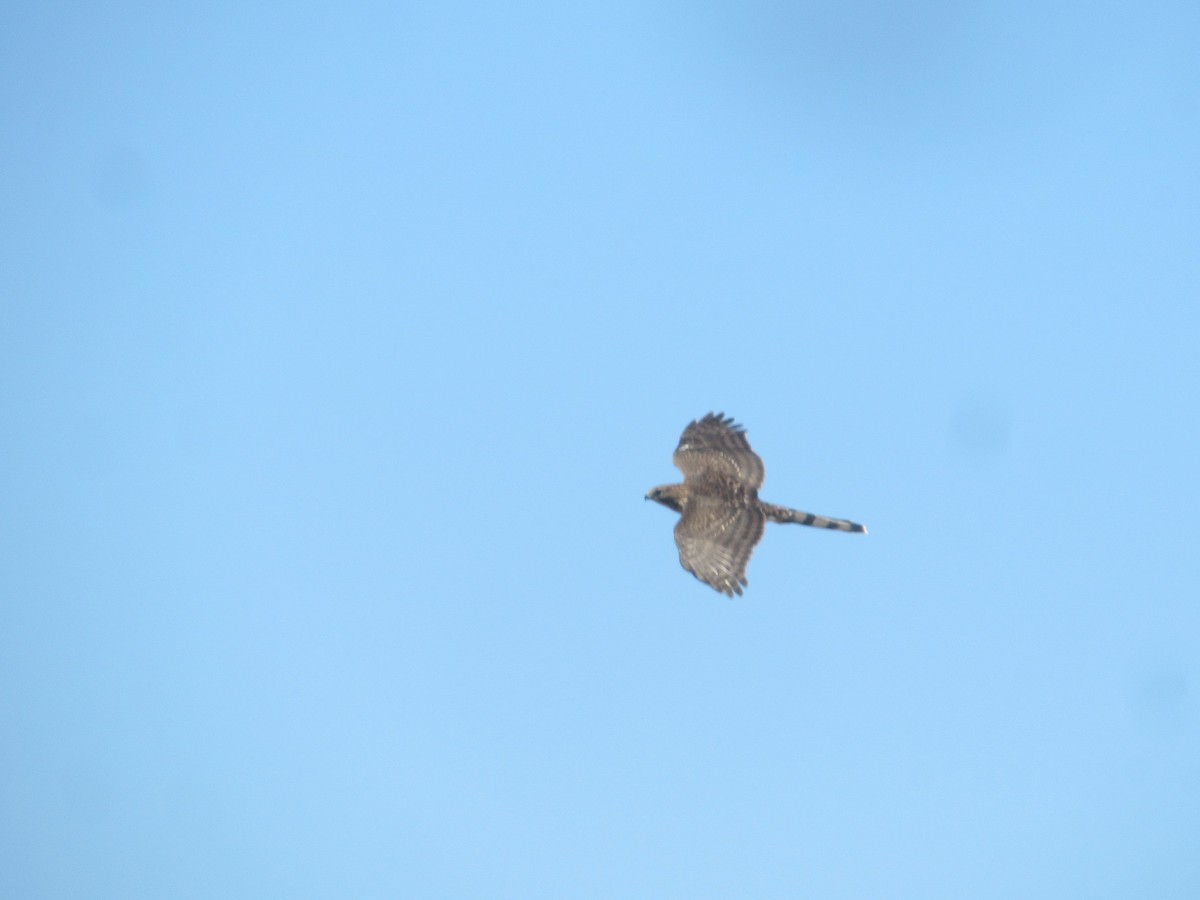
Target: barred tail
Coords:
[(783, 514)]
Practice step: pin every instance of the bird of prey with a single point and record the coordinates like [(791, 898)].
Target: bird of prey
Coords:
[(721, 518)]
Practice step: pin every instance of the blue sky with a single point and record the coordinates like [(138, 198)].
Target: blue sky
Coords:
[(339, 344)]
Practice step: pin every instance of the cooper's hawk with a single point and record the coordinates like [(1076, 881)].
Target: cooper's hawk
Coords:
[(721, 518)]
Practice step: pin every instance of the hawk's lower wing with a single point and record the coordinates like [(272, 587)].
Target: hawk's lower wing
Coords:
[(715, 540)]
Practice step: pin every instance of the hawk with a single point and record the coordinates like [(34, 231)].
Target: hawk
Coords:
[(721, 518)]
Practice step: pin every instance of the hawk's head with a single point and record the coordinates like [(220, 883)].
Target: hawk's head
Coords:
[(672, 496)]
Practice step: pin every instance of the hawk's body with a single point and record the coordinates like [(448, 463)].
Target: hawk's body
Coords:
[(721, 518)]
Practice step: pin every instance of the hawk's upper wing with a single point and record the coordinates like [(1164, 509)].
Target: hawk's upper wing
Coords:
[(716, 447), (715, 540)]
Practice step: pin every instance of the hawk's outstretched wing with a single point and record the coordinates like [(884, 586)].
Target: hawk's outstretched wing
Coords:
[(715, 540), (715, 447)]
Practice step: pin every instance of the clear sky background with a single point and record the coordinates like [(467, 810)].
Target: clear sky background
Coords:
[(340, 342)]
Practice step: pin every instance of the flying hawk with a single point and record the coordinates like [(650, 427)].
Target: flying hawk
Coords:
[(721, 518)]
